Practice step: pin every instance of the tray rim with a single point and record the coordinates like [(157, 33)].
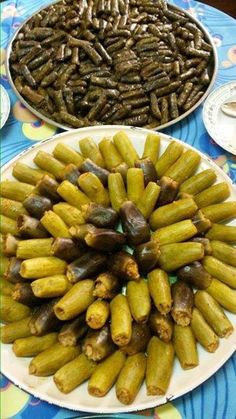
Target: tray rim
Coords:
[(66, 128), (120, 128), (164, 399)]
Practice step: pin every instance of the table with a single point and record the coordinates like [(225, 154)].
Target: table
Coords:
[(215, 399), (228, 6)]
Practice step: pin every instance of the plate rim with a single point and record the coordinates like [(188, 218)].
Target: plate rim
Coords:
[(120, 128), (66, 128), (122, 409), (8, 103), (206, 119), (160, 400)]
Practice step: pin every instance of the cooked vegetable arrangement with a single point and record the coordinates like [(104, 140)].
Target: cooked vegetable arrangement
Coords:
[(87, 283), (130, 62)]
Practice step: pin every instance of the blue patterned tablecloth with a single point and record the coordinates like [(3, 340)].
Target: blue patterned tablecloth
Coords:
[(216, 398)]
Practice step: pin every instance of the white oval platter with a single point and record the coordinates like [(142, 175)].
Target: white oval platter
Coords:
[(16, 369)]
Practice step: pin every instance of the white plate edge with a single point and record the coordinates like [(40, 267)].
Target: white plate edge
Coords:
[(8, 104), (206, 119), (116, 128)]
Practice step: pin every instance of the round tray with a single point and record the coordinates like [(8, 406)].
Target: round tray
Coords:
[(168, 124), (16, 369)]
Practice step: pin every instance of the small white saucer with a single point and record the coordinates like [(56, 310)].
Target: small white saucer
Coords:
[(221, 127), (5, 106)]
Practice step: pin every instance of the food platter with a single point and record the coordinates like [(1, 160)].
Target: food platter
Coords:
[(16, 369), (213, 71)]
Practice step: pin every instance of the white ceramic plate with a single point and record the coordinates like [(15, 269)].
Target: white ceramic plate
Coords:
[(221, 127), (16, 369), (5, 106)]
